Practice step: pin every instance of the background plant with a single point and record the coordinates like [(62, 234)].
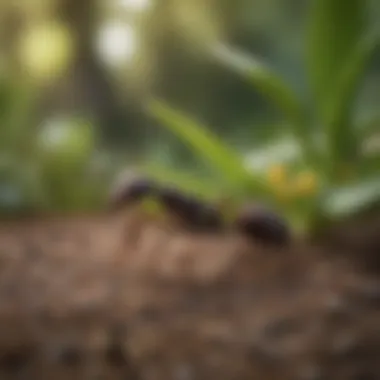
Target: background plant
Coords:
[(333, 174), (297, 133)]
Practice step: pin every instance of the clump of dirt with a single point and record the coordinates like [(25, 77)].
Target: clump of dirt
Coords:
[(123, 296)]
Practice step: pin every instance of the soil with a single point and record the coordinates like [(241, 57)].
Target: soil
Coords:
[(123, 296)]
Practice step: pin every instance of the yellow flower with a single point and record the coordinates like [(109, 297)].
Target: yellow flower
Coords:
[(46, 50), (277, 175), (305, 183), (278, 179)]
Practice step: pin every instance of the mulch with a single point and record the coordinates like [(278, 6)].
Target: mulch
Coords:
[(122, 296)]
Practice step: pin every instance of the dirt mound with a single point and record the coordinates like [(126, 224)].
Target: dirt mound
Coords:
[(123, 297)]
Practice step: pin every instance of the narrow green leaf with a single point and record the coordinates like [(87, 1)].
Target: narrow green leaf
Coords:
[(277, 91), (335, 29), (342, 138), (224, 160), (267, 82)]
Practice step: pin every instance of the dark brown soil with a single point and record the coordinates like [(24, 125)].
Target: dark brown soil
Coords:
[(124, 297)]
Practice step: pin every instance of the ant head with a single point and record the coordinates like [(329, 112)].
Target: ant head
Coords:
[(129, 188)]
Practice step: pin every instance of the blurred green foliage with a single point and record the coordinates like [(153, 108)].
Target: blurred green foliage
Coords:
[(282, 95), (340, 45)]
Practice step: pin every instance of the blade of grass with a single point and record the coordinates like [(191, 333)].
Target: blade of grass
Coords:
[(335, 28), (344, 142), (271, 86), (229, 164)]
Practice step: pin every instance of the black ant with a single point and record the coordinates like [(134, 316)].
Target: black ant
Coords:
[(252, 220)]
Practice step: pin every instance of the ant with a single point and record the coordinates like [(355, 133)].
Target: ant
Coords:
[(252, 220)]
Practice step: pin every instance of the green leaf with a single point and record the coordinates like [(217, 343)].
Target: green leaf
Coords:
[(16, 132), (342, 138), (346, 201), (335, 29), (218, 155), (270, 85), (188, 182)]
